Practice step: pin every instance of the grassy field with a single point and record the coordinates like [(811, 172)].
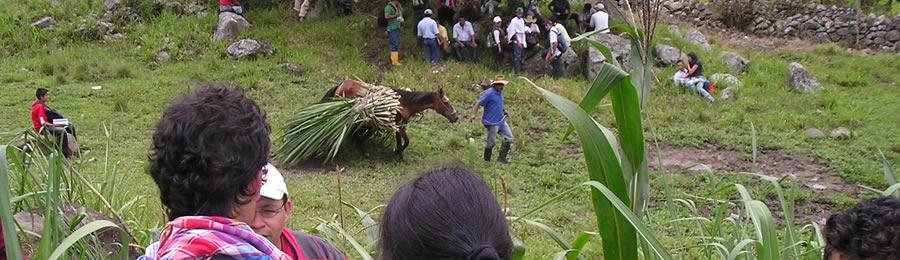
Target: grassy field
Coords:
[(860, 93)]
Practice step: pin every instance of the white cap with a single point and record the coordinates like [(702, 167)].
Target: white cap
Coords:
[(427, 11), (599, 6), (274, 186), (497, 19)]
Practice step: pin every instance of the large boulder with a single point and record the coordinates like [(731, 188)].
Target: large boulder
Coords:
[(735, 61), (229, 26), (111, 5), (571, 63), (725, 79), (669, 55), (33, 222), (248, 48), (44, 22), (697, 38), (801, 80), (535, 65), (618, 46)]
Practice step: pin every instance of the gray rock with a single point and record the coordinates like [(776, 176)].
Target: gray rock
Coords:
[(248, 48), (111, 5), (697, 38), (618, 46), (674, 30), (291, 68), (229, 26), (726, 94), (33, 221), (735, 61), (725, 79), (673, 6), (801, 80), (162, 56), (812, 132), (571, 63), (43, 23), (669, 55), (811, 25), (841, 132), (892, 36), (816, 186), (834, 37), (316, 7)]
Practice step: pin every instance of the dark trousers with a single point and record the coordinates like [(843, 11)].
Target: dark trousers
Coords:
[(432, 51), (517, 58), (394, 39), (557, 66), (60, 133), (418, 14), (465, 45), (499, 56), (445, 16)]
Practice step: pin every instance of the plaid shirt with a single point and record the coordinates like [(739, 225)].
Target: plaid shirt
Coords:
[(200, 237)]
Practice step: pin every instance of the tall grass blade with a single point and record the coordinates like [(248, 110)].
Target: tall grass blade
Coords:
[(607, 78), (369, 225), (892, 190), (579, 244), (753, 144), (888, 172), (646, 235), (641, 73), (767, 240), (739, 249), (83, 232), (619, 238), (518, 252), (13, 248)]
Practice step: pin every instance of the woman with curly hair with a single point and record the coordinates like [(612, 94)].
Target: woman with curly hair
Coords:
[(442, 215), (871, 230), (207, 159)]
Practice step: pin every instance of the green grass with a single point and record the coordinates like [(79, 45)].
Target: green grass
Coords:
[(861, 94)]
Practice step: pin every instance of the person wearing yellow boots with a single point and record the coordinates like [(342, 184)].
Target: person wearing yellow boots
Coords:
[(393, 14)]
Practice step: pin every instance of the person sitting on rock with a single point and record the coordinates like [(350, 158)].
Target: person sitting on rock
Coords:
[(43, 117), (599, 19), (445, 214), (233, 6), (532, 37), (272, 212), (584, 17), (465, 39), (207, 158), (870, 230)]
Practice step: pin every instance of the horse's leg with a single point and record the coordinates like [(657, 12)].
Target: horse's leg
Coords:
[(405, 142), (399, 148), (361, 139)]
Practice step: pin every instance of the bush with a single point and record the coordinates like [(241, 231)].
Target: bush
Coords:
[(734, 13)]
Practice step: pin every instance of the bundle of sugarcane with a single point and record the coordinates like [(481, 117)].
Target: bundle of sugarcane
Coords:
[(320, 129)]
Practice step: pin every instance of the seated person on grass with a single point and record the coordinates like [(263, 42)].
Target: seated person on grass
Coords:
[(444, 214), (868, 231), (693, 79), (207, 158), (272, 212), (43, 117)]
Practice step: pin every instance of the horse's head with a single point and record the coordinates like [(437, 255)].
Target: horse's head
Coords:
[(442, 106)]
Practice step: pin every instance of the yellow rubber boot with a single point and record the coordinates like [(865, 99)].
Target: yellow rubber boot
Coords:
[(395, 58)]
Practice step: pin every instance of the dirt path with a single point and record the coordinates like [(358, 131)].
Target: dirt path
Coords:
[(812, 173)]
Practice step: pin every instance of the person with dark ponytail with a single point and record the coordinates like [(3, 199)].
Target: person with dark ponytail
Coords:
[(445, 214)]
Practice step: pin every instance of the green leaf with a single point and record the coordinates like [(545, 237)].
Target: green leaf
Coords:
[(892, 190), (369, 225), (619, 238), (888, 171), (518, 252), (640, 75), (607, 78), (82, 232), (767, 240), (13, 248), (646, 235), (753, 144)]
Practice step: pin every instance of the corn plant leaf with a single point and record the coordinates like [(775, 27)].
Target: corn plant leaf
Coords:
[(739, 249), (362, 251), (640, 75), (619, 238), (607, 78), (518, 252), (13, 248), (645, 234), (888, 171), (368, 224), (892, 190), (81, 233), (764, 225), (562, 255), (552, 233)]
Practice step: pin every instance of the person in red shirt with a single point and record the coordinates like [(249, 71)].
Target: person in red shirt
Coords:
[(272, 212), (42, 119), (230, 6)]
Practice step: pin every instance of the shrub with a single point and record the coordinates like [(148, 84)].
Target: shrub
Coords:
[(734, 13)]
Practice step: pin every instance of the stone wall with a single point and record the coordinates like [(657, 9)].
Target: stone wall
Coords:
[(817, 23)]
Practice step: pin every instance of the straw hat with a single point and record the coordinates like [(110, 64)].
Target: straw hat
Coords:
[(530, 19), (500, 80)]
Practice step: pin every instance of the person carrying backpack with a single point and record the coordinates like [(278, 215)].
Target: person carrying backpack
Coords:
[(393, 17), (557, 47), (497, 40)]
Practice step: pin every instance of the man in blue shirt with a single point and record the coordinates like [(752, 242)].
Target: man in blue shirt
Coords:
[(494, 119), (427, 29)]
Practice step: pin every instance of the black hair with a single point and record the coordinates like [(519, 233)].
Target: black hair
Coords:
[(445, 214), (693, 57), (40, 93), (587, 6), (207, 149), (679, 61), (870, 230)]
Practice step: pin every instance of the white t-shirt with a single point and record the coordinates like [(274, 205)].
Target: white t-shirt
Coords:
[(600, 21), (554, 38), (463, 33)]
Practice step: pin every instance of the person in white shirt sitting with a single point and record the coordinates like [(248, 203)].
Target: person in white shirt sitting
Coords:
[(600, 19), (465, 38)]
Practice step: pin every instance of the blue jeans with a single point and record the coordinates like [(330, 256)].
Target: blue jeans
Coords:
[(394, 39), (699, 88), (492, 131), (517, 57), (468, 45), (432, 51)]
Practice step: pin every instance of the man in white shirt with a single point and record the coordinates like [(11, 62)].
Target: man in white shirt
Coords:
[(600, 19), (553, 51), (515, 33), (465, 38), (427, 29)]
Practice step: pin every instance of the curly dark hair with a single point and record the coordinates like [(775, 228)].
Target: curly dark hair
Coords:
[(445, 214), (871, 230), (207, 149)]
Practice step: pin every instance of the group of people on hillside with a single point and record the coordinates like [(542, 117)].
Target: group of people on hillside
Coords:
[(518, 39)]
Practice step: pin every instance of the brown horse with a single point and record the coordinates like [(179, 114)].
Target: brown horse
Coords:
[(411, 102)]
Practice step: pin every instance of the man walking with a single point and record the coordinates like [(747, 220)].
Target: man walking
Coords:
[(428, 31), (392, 13), (516, 33), (494, 119), (554, 50), (465, 39)]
